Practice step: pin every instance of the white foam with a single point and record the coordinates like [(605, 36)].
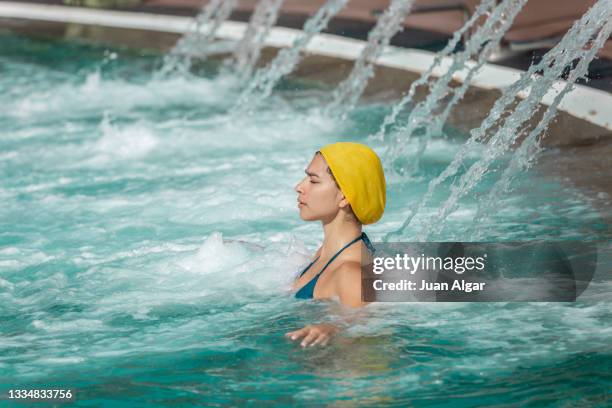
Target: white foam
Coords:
[(21, 258), (214, 256), (61, 360), (9, 251), (71, 99), (134, 141), (77, 325), (6, 284)]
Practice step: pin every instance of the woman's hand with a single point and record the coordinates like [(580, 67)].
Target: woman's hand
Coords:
[(314, 334)]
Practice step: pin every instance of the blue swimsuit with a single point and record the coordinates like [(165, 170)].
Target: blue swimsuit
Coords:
[(307, 291)]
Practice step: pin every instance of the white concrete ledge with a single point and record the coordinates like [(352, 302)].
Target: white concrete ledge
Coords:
[(586, 103)]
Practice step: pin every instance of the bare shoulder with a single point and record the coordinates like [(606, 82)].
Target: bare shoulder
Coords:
[(348, 271), (348, 283)]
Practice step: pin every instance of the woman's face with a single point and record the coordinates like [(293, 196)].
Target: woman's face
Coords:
[(318, 196)]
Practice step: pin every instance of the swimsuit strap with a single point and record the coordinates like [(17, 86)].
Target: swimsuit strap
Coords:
[(339, 252), (307, 291), (309, 265), (368, 244)]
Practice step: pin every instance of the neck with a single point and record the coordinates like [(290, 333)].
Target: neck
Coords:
[(337, 233)]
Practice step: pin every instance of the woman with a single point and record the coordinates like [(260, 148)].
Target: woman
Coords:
[(344, 188)]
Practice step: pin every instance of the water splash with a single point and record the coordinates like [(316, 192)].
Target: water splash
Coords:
[(428, 116), (247, 51), (527, 153), (266, 78), (348, 92), (532, 86), (196, 42), (483, 9)]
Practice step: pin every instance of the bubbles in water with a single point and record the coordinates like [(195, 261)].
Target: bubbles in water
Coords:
[(130, 142)]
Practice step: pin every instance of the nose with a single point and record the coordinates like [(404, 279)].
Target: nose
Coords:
[(298, 187)]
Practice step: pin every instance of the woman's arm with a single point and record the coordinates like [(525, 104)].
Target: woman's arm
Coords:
[(348, 290), (348, 284)]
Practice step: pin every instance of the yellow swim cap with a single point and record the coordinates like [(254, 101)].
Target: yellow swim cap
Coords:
[(361, 178)]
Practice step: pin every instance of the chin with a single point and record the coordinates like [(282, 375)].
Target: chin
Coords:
[(306, 217)]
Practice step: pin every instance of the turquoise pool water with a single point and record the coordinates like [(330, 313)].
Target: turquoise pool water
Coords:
[(148, 240)]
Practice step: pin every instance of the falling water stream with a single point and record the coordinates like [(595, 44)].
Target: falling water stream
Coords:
[(348, 92), (287, 59), (527, 153), (428, 116), (247, 51), (198, 39), (483, 9), (532, 86)]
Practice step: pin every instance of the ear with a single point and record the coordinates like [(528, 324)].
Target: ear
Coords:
[(344, 202)]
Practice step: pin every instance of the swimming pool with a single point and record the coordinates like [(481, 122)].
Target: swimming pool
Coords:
[(149, 239)]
